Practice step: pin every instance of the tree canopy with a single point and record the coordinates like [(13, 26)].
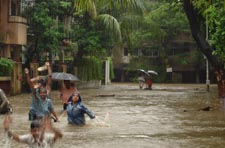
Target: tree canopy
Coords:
[(162, 21)]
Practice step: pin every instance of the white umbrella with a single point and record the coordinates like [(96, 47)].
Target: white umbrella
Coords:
[(152, 72), (143, 71)]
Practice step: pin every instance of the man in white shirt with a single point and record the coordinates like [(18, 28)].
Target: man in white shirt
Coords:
[(38, 137)]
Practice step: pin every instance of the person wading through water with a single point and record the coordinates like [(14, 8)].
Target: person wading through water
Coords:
[(41, 104), (42, 133), (68, 88)]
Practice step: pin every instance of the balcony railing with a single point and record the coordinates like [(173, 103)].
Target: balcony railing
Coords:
[(17, 19)]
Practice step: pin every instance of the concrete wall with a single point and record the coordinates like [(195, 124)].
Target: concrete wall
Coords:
[(13, 34)]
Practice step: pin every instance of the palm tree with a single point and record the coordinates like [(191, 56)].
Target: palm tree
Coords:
[(117, 16)]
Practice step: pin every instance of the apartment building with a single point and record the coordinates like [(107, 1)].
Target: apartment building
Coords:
[(13, 36)]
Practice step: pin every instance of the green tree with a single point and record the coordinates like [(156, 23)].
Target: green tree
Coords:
[(107, 12), (115, 16), (81, 21), (50, 20), (162, 21), (100, 25), (89, 37), (201, 13), (44, 29)]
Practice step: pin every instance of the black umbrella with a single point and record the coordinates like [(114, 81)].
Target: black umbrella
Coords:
[(64, 76)]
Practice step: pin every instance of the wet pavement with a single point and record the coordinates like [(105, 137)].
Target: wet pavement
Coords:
[(169, 116)]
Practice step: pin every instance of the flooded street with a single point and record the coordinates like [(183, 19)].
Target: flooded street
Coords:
[(169, 116)]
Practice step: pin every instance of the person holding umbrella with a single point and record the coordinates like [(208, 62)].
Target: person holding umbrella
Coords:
[(66, 91), (146, 77), (68, 86)]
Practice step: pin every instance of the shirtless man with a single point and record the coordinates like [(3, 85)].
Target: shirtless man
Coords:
[(66, 91)]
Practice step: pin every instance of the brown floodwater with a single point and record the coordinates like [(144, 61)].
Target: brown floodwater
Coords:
[(169, 116)]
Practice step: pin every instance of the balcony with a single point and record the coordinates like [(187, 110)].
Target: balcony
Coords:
[(18, 30), (14, 31)]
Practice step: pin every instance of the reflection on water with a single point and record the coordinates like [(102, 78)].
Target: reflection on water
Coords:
[(7, 142), (169, 116)]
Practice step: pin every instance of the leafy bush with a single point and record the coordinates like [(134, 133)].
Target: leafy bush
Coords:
[(6, 66), (89, 68)]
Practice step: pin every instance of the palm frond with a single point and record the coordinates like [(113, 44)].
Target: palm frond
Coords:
[(111, 24), (132, 5), (86, 5)]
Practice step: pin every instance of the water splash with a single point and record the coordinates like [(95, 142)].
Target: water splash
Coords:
[(102, 121), (7, 144), (7, 141)]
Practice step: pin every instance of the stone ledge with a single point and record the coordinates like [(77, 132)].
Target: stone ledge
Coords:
[(5, 78)]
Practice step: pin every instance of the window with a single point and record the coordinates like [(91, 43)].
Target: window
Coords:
[(151, 52), (14, 7)]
